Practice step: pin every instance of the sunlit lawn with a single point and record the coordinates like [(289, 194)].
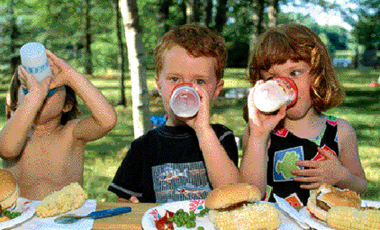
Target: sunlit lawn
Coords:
[(361, 109)]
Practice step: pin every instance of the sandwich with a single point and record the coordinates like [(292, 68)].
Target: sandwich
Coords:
[(327, 196), (234, 207), (9, 192)]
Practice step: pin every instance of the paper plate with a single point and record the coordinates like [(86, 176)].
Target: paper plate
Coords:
[(371, 203), (319, 225), (155, 213), (25, 207), (152, 214)]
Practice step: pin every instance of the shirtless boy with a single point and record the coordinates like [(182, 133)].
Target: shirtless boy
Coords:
[(42, 144)]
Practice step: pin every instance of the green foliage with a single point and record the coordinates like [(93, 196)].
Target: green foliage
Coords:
[(60, 25), (367, 28)]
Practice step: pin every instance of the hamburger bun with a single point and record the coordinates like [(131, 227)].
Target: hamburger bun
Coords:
[(227, 195), (327, 196), (232, 208), (9, 190)]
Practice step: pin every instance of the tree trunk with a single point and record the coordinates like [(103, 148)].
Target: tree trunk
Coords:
[(15, 58), (193, 14), (221, 17), (257, 19), (272, 14), (206, 12), (163, 15), (356, 58), (136, 57), (87, 31), (122, 100), (183, 7)]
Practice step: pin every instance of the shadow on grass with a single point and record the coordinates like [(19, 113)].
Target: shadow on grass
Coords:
[(96, 188), (113, 143), (116, 88), (373, 192), (360, 100), (223, 104)]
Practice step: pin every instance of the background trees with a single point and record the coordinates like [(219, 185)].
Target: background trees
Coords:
[(84, 32), (88, 33)]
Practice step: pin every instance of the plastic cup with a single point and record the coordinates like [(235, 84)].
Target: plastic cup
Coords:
[(184, 101), (275, 93), (34, 60)]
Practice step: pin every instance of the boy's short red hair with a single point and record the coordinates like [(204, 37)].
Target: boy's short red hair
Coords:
[(198, 40)]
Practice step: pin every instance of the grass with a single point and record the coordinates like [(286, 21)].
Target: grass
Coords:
[(102, 157)]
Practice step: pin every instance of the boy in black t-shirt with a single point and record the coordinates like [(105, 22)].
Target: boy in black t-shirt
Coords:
[(187, 157)]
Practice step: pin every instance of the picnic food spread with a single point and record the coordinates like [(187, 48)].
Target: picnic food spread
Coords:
[(327, 196), (232, 208), (181, 218), (68, 198), (9, 192)]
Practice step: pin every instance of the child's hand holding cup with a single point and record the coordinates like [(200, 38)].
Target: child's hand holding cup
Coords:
[(34, 59)]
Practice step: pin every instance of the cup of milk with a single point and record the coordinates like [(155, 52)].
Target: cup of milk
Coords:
[(185, 100), (275, 93)]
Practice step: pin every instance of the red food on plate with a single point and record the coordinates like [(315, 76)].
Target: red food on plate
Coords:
[(163, 223)]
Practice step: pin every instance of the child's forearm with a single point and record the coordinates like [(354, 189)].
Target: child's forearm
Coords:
[(220, 168), (14, 133), (103, 117), (353, 182), (254, 164)]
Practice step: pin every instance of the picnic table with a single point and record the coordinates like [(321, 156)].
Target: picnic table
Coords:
[(130, 220)]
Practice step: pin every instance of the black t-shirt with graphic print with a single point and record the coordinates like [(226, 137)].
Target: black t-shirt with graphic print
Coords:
[(285, 150), (167, 165)]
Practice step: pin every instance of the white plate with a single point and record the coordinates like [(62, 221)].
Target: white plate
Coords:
[(319, 225), (371, 203), (152, 214), (27, 210)]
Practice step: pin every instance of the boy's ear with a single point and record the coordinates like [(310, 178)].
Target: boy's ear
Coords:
[(218, 89), (157, 83), (67, 107)]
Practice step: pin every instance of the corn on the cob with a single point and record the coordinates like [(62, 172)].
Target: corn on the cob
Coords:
[(68, 198), (248, 217), (350, 218)]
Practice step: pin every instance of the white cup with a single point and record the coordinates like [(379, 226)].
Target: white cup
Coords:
[(275, 93), (34, 60), (184, 101)]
